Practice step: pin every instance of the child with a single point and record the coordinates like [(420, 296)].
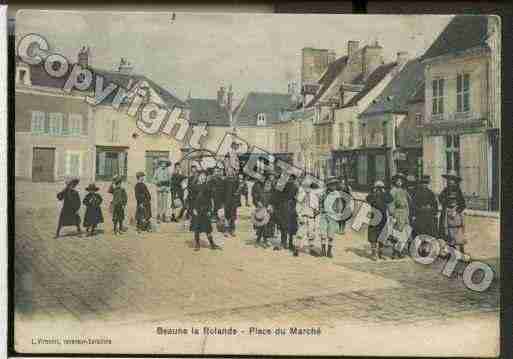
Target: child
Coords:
[(119, 201), (143, 198), (93, 215), (201, 204), (261, 218)]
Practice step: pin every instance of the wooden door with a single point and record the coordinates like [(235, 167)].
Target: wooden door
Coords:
[(43, 164)]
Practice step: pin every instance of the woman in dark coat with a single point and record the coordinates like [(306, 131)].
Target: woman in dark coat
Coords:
[(292, 189), (71, 204), (380, 200), (201, 206), (143, 198), (425, 209), (93, 215)]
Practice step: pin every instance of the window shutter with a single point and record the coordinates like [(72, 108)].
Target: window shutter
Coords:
[(470, 148), (67, 125), (101, 163), (122, 163), (84, 125), (67, 170)]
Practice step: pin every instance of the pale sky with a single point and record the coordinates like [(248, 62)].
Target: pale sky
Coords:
[(200, 52)]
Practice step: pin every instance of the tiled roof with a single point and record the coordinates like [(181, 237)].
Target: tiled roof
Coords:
[(271, 104), (331, 73), (298, 115), (374, 78), (209, 111), (39, 77), (462, 33), (395, 96)]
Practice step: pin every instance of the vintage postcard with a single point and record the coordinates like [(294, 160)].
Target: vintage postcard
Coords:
[(192, 183)]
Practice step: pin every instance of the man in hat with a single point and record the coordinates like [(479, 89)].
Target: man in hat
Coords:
[(192, 180), (162, 179), (217, 185), (93, 215), (201, 206), (328, 222), (400, 207), (71, 204), (451, 226), (231, 167), (425, 209), (177, 192), (143, 198), (379, 199)]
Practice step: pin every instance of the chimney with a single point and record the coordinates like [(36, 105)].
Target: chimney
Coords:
[(124, 66), (402, 57), (372, 58), (229, 99), (221, 96), (352, 47), (83, 56)]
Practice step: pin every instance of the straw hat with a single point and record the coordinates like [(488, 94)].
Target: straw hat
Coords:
[(92, 187)]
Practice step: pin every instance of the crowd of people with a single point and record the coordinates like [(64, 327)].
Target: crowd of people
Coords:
[(293, 217)]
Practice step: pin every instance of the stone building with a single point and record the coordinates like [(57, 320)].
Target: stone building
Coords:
[(60, 134), (462, 108)]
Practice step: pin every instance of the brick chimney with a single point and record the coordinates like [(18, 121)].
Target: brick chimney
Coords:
[(372, 58), (332, 56), (229, 99), (83, 56), (352, 47), (125, 67), (221, 96)]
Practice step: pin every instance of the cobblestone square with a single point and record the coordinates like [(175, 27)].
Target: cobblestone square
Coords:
[(156, 278)]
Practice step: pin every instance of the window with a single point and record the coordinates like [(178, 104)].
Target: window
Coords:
[(23, 73), (438, 96), (452, 152), (110, 162), (418, 119), (363, 135), (37, 125), (152, 161), (75, 124), (261, 119), (463, 93), (72, 163), (56, 120), (317, 135), (341, 134), (351, 134)]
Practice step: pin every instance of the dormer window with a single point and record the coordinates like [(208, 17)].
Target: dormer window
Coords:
[(261, 120)]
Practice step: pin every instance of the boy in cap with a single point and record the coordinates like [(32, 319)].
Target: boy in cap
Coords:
[(93, 215), (143, 198), (119, 202)]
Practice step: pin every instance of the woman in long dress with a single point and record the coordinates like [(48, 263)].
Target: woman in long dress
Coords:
[(71, 204)]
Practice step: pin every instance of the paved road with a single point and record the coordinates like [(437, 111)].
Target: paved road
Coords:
[(155, 276)]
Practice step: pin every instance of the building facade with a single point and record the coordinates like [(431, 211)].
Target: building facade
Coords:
[(462, 108)]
